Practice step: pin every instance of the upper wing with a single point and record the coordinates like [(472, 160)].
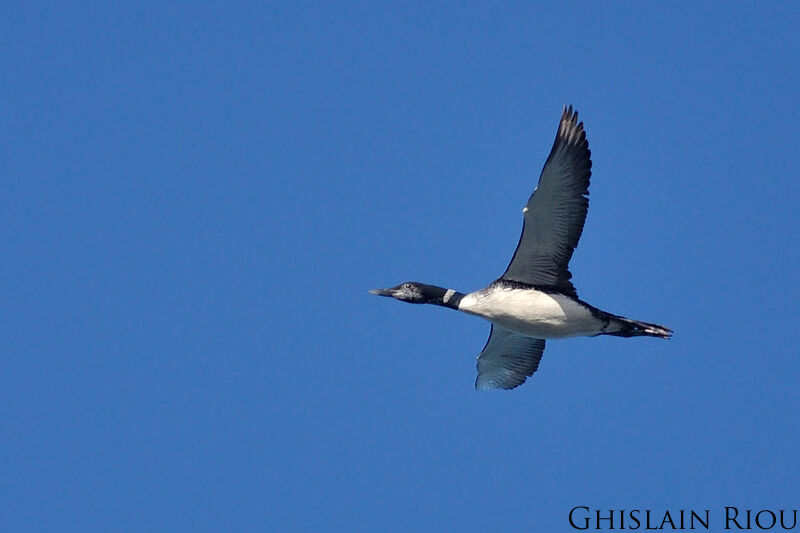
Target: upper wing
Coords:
[(556, 211), (508, 359)]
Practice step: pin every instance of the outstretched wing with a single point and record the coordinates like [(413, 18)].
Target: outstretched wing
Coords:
[(508, 359), (555, 212)]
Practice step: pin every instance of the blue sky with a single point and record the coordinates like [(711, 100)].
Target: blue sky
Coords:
[(197, 197)]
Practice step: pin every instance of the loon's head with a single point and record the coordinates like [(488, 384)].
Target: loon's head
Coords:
[(412, 292)]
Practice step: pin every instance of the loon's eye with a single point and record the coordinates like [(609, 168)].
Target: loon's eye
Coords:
[(407, 285)]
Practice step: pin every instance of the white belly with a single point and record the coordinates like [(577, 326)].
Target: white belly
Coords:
[(532, 313)]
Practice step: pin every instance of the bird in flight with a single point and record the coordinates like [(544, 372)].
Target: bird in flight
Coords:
[(534, 299)]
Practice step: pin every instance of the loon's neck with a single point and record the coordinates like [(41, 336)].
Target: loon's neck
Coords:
[(443, 297)]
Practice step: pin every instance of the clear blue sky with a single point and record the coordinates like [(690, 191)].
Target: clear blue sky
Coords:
[(197, 197)]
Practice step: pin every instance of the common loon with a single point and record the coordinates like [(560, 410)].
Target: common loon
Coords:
[(534, 299)]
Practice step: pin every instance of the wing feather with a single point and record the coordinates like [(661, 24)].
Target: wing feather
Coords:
[(508, 359), (556, 211)]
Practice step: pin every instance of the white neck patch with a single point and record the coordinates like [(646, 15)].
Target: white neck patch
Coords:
[(449, 294)]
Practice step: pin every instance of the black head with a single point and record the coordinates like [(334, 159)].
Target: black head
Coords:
[(413, 292)]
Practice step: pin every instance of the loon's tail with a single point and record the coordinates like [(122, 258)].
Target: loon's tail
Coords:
[(625, 327)]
